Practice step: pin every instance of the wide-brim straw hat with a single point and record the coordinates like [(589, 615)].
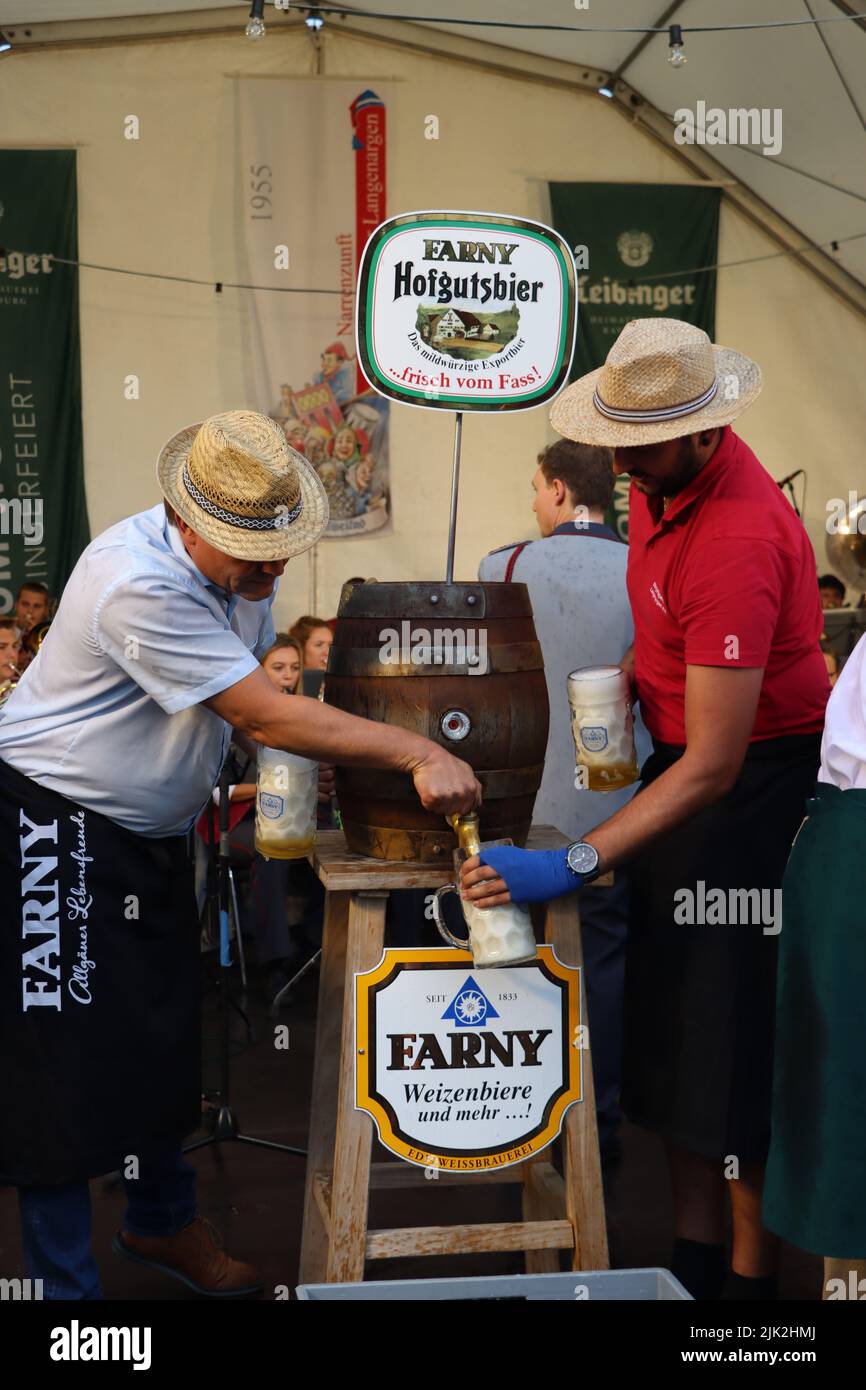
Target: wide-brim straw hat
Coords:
[(239, 484), (662, 379)]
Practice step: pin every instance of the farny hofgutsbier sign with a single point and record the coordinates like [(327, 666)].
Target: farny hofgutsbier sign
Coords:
[(466, 311)]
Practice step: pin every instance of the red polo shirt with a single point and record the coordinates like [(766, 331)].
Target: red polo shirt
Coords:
[(726, 577)]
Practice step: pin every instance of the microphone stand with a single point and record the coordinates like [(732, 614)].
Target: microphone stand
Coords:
[(226, 1125), (787, 484), (789, 487)]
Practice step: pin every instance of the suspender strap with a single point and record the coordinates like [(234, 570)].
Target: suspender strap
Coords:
[(512, 560)]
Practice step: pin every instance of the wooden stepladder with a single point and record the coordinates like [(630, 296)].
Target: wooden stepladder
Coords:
[(559, 1213)]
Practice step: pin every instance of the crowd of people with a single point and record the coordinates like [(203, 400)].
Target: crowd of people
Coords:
[(714, 609), (21, 632)]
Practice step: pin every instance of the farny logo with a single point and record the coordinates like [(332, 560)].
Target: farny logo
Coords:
[(657, 598), (469, 1009), (77, 1343), (39, 917), (635, 248), (17, 264)]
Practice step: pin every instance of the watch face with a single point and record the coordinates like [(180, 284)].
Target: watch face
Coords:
[(582, 858)]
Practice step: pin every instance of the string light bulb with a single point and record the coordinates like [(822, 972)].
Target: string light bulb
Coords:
[(676, 57), (256, 23)]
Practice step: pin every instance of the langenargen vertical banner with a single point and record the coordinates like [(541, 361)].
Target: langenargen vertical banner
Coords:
[(43, 513), (637, 248), (368, 142), (311, 187)]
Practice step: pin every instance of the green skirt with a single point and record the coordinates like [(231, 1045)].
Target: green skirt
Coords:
[(815, 1193)]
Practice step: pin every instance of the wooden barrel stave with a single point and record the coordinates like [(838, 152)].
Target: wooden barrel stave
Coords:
[(507, 709)]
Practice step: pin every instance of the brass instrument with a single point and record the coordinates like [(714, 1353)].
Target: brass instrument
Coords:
[(7, 686), (33, 639), (846, 547)]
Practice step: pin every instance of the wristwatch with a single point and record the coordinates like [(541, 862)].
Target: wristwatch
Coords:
[(582, 859)]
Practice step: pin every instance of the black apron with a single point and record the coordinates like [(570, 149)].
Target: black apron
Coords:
[(700, 998), (99, 989)]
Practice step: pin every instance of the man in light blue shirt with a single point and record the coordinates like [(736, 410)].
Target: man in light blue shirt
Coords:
[(141, 638), (109, 748)]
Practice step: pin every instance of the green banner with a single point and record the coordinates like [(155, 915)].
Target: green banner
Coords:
[(636, 247), (43, 513)]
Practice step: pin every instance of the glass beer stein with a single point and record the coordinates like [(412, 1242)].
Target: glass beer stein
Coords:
[(287, 789), (497, 935), (603, 727)]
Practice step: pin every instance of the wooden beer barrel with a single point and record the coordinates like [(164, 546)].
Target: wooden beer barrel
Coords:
[(461, 664)]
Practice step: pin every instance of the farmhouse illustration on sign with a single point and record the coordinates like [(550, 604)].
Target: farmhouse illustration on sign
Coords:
[(461, 333)]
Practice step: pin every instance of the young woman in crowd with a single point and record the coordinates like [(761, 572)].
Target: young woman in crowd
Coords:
[(283, 663), (315, 638)]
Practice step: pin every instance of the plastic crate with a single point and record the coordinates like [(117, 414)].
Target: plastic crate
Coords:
[(605, 1285)]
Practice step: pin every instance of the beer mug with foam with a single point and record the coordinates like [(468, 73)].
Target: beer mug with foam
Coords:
[(497, 935), (287, 790), (603, 727)]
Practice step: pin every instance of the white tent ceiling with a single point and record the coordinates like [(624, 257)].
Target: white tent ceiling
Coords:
[(823, 135)]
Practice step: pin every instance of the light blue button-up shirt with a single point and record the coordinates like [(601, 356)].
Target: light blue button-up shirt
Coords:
[(110, 712)]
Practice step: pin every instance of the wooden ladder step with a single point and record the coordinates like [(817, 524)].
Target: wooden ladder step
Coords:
[(467, 1240), (390, 1175)]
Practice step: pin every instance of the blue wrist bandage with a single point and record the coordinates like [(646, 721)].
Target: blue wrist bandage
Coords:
[(532, 876)]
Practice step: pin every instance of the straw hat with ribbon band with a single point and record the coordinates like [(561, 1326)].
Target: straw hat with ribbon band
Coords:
[(237, 482), (662, 379)]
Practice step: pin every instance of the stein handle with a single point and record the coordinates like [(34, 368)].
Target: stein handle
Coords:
[(437, 918)]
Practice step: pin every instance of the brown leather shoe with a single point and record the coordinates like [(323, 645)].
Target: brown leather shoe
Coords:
[(194, 1257)]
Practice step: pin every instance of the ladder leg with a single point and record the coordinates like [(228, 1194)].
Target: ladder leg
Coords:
[(542, 1199), (584, 1194), (350, 1190), (326, 1073)]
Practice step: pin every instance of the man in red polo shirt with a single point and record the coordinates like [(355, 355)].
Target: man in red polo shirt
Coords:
[(732, 686)]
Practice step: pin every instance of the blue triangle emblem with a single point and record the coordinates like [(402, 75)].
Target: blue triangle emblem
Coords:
[(470, 1007)]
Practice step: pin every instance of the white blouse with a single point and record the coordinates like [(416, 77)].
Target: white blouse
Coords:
[(843, 747)]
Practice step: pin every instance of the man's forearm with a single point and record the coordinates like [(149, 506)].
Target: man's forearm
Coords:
[(248, 747), (680, 792), (316, 730)]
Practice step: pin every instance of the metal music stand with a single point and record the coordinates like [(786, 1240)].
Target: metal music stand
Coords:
[(226, 1125)]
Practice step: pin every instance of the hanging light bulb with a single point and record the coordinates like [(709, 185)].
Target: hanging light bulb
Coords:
[(256, 24), (676, 57), (314, 20)]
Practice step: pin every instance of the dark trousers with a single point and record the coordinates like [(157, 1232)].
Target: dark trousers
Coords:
[(604, 917), (55, 1221)]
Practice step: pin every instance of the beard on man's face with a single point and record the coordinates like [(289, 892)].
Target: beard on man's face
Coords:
[(678, 472)]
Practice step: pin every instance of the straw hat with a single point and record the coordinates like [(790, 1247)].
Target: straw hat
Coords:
[(237, 482), (662, 379)]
